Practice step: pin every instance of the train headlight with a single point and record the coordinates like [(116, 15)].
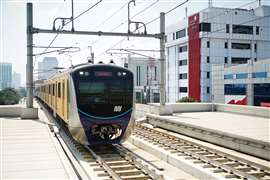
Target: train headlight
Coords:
[(121, 74)]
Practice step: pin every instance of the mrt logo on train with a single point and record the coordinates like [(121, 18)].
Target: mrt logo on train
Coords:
[(117, 108)]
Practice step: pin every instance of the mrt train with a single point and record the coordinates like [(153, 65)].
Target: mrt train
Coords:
[(94, 100)]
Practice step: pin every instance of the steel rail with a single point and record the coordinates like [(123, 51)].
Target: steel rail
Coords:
[(221, 161), (134, 158), (104, 164), (131, 162)]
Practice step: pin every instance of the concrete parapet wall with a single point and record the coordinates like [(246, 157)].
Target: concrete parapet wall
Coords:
[(10, 110), (246, 110), (247, 145), (141, 110), (154, 108), (191, 107)]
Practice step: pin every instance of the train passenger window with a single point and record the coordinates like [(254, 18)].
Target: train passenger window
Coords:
[(63, 89), (59, 90), (53, 92), (67, 92), (91, 87), (49, 89)]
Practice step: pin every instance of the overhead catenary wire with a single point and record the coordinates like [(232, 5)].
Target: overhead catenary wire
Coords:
[(140, 12), (59, 29), (122, 23), (174, 8), (107, 19), (111, 16), (149, 22)]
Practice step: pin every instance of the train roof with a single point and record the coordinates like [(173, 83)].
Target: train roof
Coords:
[(81, 66)]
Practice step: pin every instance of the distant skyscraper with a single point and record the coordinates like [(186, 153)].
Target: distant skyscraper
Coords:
[(16, 80), (5, 75), (45, 67)]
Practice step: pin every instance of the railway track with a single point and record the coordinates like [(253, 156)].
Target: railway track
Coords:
[(105, 162), (119, 163), (114, 162), (217, 162)]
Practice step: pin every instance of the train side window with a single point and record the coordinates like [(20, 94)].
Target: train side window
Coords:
[(49, 89), (63, 89), (67, 92), (59, 90), (53, 89)]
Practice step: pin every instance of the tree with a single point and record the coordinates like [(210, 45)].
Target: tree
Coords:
[(187, 99), (9, 96)]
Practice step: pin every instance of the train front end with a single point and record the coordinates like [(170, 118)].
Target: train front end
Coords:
[(104, 100)]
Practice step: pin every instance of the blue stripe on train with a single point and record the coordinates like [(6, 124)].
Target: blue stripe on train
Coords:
[(100, 117)]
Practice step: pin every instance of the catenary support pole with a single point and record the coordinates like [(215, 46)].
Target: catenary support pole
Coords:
[(162, 59), (29, 66)]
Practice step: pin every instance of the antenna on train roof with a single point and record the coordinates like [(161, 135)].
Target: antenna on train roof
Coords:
[(90, 61), (111, 62)]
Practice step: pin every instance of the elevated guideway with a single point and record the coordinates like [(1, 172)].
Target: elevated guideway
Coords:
[(29, 149), (242, 128)]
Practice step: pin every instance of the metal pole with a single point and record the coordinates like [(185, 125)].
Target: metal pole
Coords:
[(162, 59), (129, 21), (95, 33), (72, 15), (29, 67)]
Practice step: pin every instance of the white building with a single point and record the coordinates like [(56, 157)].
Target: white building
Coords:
[(46, 67), (146, 78), (16, 80), (212, 36), (245, 84), (5, 75)]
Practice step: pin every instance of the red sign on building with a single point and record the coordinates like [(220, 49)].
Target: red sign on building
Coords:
[(194, 57)]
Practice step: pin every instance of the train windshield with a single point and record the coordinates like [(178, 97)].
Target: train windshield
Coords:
[(104, 93)]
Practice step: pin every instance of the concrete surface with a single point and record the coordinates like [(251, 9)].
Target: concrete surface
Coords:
[(185, 165), (246, 110), (10, 110), (161, 110), (248, 134), (169, 171), (248, 126), (177, 166), (29, 113), (29, 151), (154, 108)]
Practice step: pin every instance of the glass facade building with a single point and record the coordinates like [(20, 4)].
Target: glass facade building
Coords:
[(5, 75)]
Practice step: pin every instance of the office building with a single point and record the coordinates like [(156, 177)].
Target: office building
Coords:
[(16, 80), (212, 36), (5, 75), (146, 78), (46, 68), (245, 84)]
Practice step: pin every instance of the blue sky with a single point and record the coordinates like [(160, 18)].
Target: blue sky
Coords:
[(13, 26)]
